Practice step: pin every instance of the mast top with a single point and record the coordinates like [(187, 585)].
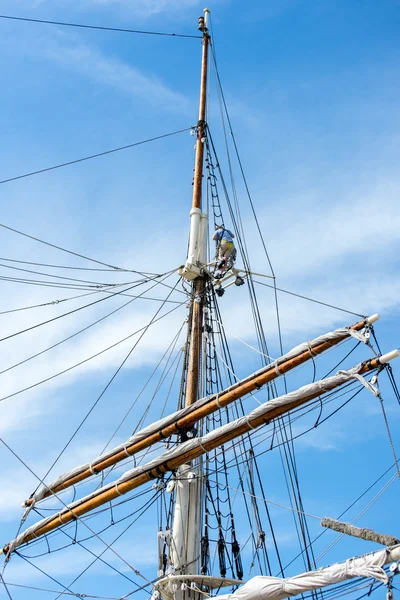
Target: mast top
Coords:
[(203, 22)]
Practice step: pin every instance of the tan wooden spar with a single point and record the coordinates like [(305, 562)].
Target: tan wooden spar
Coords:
[(195, 413), (192, 449)]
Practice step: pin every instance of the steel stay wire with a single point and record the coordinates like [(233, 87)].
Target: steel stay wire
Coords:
[(76, 332), (7, 337), (37, 589), (70, 312), (5, 586), (90, 357), (90, 157), (70, 526), (99, 27), (57, 276), (37, 264), (144, 274), (310, 299)]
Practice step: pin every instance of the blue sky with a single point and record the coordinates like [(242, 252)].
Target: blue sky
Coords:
[(312, 90)]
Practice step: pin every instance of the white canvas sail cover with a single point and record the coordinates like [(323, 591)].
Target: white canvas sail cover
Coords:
[(199, 446), (276, 588), (331, 336)]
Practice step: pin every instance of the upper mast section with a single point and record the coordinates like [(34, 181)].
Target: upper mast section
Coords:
[(201, 124), (198, 221)]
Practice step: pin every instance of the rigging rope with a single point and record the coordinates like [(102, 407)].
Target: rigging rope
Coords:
[(311, 299), (99, 27), (77, 332), (7, 337), (89, 358), (79, 160), (108, 546), (107, 385)]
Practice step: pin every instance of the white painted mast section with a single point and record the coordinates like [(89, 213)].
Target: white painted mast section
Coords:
[(277, 588), (185, 548), (195, 216)]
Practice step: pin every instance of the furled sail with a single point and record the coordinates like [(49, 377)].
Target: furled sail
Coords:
[(188, 451), (188, 416), (278, 588)]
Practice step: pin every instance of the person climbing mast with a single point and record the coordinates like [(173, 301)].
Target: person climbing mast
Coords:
[(226, 251)]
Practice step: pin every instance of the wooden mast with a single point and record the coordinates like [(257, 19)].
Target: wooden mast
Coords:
[(185, 549), (192, 384)]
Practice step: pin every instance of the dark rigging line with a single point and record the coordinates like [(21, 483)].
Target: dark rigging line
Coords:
[(289, 451), (77, 517), (78, 160), (38, 589), (51, 302), (99, 27), (88, 281), (310, 299), (79, 331), (71, 311), (89, 358), (239, 159), (99, 262), (37, 264), (80, 287), (54, 302), (47, 574), (143, 510), (5, 587), (108, 384)]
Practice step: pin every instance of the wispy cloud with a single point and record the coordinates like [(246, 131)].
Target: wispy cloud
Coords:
[(113, 72), (147, 8), (63, 48)]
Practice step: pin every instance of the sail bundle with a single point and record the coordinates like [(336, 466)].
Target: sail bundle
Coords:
[(192, 449), (188, 416), (278, 588)]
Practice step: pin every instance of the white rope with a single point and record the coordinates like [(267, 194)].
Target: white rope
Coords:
[(249, 424), (117, 490), (234, 374), (246, 344), (361, 336), (202, 447), (301, 512)]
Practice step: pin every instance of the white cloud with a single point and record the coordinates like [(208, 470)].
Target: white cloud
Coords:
[(65, 48), (143, 9), (115, 73), (147, 8)]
